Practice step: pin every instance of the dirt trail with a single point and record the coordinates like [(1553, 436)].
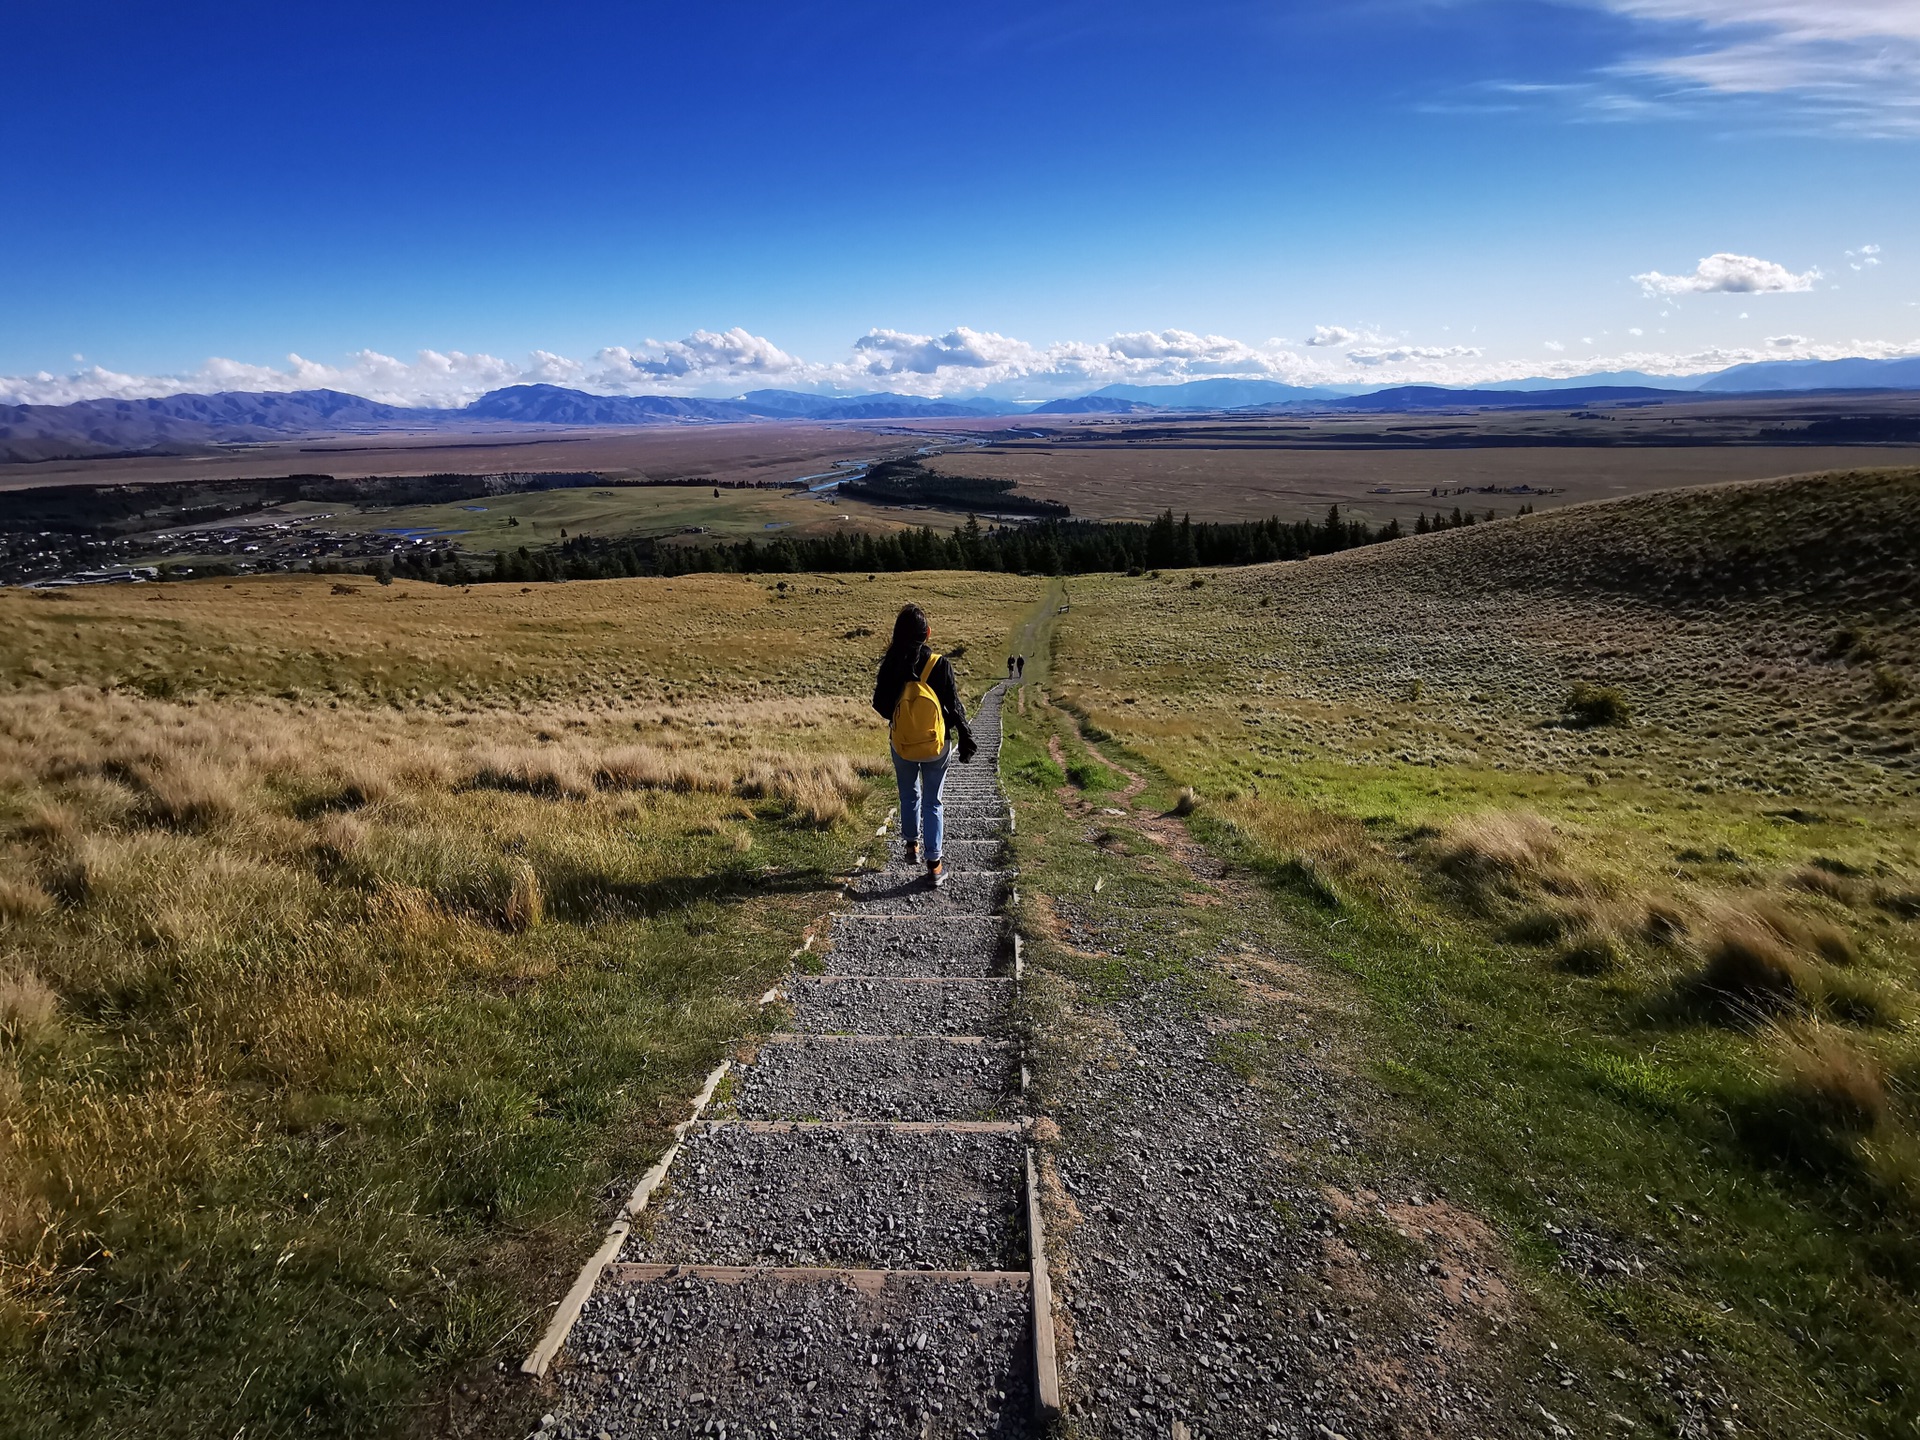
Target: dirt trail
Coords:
[(1238, 1253)]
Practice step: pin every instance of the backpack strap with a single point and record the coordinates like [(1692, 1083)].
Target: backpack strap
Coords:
[(933, 659)]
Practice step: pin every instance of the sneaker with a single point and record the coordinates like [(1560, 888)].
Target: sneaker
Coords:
[(913, 852), (936, 874)]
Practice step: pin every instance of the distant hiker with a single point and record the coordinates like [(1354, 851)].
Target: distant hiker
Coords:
[(1009, 667), (916, 694), (1022, 667)]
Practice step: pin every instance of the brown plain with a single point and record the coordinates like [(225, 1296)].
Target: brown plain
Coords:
[(770, 452)]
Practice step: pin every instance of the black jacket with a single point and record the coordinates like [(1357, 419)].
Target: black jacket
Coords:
[(893, 679)]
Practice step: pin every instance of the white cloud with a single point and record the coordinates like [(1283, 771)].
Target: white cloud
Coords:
[(1729, 274), (1864, 258), (1553, 345), (1845, 64), (705, 354), (962, 361), (1332, 335), (1635, 330), (1403, 354), (894, 352)]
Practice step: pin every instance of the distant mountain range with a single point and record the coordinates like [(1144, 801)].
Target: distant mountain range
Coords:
[(184, 423)]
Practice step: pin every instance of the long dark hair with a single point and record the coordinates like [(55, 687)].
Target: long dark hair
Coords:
[(910, 632)]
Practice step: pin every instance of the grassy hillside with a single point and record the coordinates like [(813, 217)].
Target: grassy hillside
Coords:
[(355, 949), (1613, 817)]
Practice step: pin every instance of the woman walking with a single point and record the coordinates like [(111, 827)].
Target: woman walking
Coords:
[(915, 693)]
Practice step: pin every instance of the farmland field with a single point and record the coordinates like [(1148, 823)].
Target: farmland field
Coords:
[(655, 511)]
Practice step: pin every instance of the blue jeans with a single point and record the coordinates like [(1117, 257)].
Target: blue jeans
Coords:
[(922, 780)]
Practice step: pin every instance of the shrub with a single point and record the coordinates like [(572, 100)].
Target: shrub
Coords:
[(526, 903), (1665, 922), (1507, 851), (186, 794), (1040, 773), (1638, 1083), (1748, 966), (22, 900), (1090, 775), (1597, 705), (1538, 926), (1850, 642), (1825, 1077), (26, 1007), (1588, 952), (1859, 999), (1889, 684)]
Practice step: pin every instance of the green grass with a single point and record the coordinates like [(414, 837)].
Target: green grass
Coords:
[(694, 514)]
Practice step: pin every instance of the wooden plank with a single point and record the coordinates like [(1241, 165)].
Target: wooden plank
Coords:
[(904, 1127), (1046, 1368), (837, 979), (571, 1304), (826, 1037), (870, 1281)]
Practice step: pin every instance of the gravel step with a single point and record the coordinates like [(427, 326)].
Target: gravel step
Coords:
[(817, 1078), (973, 824), (910, 1356), (893, 945), (849, 1005), (904, 890), (986, 854), (856, 1195)]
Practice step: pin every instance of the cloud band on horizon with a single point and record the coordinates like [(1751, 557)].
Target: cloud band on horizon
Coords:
[(961, 362)]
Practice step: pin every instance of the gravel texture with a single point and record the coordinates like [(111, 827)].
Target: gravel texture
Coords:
[(923, 1358), (867, 1196), (857, 1006), (974, 946), (973, 824), (814, 1078), (984, 854), (905, 890)]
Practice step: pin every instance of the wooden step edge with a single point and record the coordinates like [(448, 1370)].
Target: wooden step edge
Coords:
[(629, 1272), (904, 1127), (795, 1037)]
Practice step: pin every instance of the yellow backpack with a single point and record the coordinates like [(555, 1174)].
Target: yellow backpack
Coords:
[(919, 724)]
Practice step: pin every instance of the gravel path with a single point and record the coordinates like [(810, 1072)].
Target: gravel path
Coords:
[(904, 945), (895, 1078), (932, 1200), (922, 1323), (858, 1005), (903, 890), (763, 1358)]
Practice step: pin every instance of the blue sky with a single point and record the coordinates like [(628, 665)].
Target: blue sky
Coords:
[(424, 201)]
